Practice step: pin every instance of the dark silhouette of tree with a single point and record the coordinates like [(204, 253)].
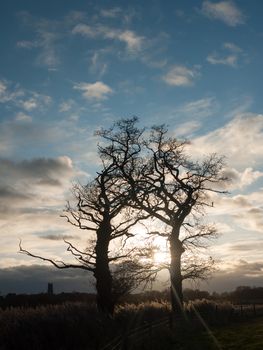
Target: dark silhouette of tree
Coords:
[(102, 210), (169, 187), (134, 272), (193, 294)]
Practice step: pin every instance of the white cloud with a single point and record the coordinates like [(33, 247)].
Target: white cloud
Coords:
[(186, 129), (66, 134), (249, 176), (22, 117), (98, 65), (85, 30), (48, 58), (37, 100), (251, 219), (2, 88), (28, 100), (232, 47), (180, 76), (133, 41), (243, 211), (26, 44), (149, 50), (10, 92), (230, 57), (34, 191), (240, 140), (247, 210), (240, 180), (66, 106), (46, 40), (201, 108), (30, 104), (246, 246), (225, 11), (230, 60), (94, 91)]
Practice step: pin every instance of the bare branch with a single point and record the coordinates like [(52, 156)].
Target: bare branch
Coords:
[(57, 264)]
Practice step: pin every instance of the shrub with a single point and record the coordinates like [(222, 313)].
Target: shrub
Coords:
[(210, 311)]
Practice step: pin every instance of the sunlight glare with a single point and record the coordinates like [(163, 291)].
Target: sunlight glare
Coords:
[(161, 257), (161, 254)]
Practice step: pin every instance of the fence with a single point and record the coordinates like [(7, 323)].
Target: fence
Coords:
[(248, 309), (136, 335)]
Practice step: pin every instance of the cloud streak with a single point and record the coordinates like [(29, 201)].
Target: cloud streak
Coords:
[(132, 41), (14, 94), (201, 108), (242, 273), (180, 75), (46, 41), (33, 194), (225, 11), (231, 58), (245, 130)]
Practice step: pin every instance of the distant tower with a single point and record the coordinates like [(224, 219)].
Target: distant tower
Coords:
[(50, 289)]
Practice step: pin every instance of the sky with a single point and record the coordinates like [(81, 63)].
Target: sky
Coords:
[(69, 68)]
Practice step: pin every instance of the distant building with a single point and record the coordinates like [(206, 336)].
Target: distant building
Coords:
[(50, 289)]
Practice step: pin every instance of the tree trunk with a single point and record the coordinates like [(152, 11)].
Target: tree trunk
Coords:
[(103, 277), (102, 272), (176, 251)]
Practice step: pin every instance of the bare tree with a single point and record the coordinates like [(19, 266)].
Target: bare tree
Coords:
[(137, 271), (169, 187), (102, 210)]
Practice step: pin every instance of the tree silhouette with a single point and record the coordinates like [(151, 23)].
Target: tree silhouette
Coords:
[(102, 210), (169, 187)]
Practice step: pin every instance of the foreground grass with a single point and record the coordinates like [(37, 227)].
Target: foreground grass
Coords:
[(79, 326), (70, 326), (246, 335)]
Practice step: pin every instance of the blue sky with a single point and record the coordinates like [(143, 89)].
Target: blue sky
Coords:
[(66, 69)]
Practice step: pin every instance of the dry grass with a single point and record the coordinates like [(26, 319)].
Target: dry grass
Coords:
[(71, 325), (79, 326)]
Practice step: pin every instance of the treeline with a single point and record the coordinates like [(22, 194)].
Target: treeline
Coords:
[(241, 295), (34, 300)]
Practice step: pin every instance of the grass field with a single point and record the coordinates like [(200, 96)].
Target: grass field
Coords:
[(246, 335), (139, 327)]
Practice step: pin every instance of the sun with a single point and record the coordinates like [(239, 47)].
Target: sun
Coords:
[(161, 252), (160, 257)]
